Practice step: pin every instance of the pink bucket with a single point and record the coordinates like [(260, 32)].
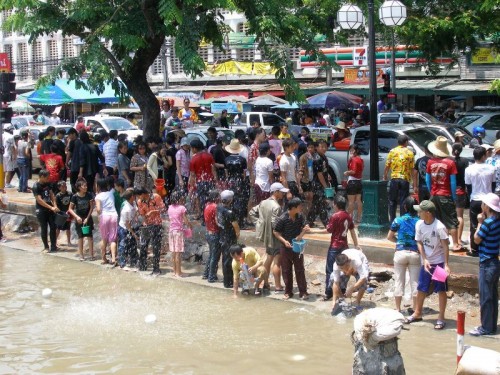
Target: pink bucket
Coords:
[(439, 274), (188, 233)]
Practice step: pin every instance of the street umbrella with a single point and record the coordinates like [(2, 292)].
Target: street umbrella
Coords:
[(333, 99), (21, 106), (293, 105)]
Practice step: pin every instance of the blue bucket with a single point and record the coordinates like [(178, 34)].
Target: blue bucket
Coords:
[(329, 192), (298, 245)]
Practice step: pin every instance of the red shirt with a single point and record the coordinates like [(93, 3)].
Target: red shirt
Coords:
[(201, 165), (338, 226), (440, 171), (356, 164), (54, 164), (209, 214)]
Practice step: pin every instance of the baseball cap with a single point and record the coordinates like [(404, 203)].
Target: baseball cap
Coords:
[(279, 187), (226, 195), (425, 206)]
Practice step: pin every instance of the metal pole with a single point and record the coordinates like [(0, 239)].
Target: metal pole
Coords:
[(164, 64), (372, 66), (460, 334), (393, 64), (328, 76)]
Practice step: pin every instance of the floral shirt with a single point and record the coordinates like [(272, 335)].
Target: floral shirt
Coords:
[(400, 160), (495, 161)]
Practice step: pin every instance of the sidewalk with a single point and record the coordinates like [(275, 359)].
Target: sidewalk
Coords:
[(377, 250)]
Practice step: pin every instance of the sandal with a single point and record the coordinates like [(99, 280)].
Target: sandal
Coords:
[(304, 297), (440, 325), (286, 297), (258, 292), (412, 319), (279, 290)]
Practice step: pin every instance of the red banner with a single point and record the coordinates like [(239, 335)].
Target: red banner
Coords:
[(5, 66), (355, 76)]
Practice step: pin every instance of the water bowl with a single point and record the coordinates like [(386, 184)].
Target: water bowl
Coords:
[(47, 293), (298, 245), (439, 274)]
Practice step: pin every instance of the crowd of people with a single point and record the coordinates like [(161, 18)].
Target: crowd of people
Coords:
[(277, 183)]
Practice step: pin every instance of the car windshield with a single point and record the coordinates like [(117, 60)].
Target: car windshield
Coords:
[(468, 119), (118, 124), (421, 136), (19, 122)]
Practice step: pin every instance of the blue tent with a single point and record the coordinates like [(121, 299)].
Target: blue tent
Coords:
[(65, 91)]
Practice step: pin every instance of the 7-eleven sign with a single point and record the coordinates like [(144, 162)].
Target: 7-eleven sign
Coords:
[(359, 57)]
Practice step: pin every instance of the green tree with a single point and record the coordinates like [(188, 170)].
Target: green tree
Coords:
[(137, 30)]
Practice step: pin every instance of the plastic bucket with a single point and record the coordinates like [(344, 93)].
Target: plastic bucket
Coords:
[(160, 187), (329, 192), (86, 229), (61, 218), (188, 233), (439, 274), (298, 245)]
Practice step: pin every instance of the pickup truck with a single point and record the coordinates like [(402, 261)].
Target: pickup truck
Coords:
[(419, 134), (267, 119), (404, 118)]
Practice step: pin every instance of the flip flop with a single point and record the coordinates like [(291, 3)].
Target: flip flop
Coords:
[(439, 325), (412, 319), (286, 297), (277, 291)]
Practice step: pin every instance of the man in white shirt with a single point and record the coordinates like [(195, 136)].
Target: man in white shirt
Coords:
[(351, 262), (288, 169), (110, 151), (479, 180), (9, 155), (263, 173), (54, 119)]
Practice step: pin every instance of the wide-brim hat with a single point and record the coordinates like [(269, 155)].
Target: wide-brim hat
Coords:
[(440, 147), (234, 147), (496, 145), (492, 201), (458, 133), (341, 126)]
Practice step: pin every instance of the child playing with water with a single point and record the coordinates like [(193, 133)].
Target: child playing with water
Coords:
[(63, 199), (108, 220), (127, 236), (177, 214), (81, 207)]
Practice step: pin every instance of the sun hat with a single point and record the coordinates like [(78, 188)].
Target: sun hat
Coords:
[(234, 147), (492, 201), (425, 206), (184, 142), (340, 126), (458, 133), (496, 145), (487, 146), (226, 195), (440, 147), (279, 187)]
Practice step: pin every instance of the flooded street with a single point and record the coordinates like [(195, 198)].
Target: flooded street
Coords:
[(94, 323)]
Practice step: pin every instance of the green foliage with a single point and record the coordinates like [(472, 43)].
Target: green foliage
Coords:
[(495, 87)]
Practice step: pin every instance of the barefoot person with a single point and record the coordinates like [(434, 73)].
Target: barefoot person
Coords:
[(108, 220), (432, 241), (177, 214), (81, 207), (46, 207), (63, 199)]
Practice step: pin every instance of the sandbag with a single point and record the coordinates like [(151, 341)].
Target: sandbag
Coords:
[(378, 324), (479, 361)]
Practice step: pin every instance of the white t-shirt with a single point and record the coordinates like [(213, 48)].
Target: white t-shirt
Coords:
[(481, 177), (431, 235), (107, 200), (358, 262), (288, 164), (127, 214), (263, 165)]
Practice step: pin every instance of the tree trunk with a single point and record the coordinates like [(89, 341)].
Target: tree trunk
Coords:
[(143, 95)]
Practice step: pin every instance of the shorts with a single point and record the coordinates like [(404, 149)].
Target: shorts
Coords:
[(306, 186), (461, 201), (425, 281), (354, 187), (272, 252), (78, 229), (108, 226), (344, 280), (9, 164), (294, 189), (446, 211), (176, 241)]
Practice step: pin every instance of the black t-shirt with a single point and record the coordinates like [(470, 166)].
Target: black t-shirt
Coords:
[(461, 164), (61, 148), (225, 218), (235, 166), (46, 143), (220, 158), (421, 168), (63, 200), (288, 228), (170, 172), (74, 148), (320, 164), (44, 191), (82, 204)]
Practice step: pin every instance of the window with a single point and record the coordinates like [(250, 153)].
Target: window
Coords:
[(389, 119), (468, 119), (493, 123), (7, 48), (242, 27), (421, 136), (203, 52), (271, 120), (175, 63), (157, 66), (6, 14), (22, 61), (362, 139), (220, 55), (252, 119), (37, 60), (245, 54), (412, 119), (386, 141), (52, 55), (68, 49)]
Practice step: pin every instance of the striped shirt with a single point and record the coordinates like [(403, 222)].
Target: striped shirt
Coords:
[(490, 235), (288, 228), (110, 151)]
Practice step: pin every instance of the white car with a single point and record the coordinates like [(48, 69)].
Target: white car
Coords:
[(486, 116), (201, 133), (101, 124)]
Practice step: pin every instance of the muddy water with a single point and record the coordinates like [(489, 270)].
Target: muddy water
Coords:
[(94, 323)]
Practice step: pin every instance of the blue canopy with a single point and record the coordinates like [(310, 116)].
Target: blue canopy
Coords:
[(65, 91)]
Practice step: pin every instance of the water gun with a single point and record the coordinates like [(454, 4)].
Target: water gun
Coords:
[(246, 276)]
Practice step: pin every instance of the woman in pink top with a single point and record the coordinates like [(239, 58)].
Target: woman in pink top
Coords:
[(177, 214)]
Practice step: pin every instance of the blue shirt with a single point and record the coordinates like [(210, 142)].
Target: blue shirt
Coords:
[(405, 228), (490, 235)]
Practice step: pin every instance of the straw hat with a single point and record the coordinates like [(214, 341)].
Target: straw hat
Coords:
[(234, 147), (492, 201), (341, 126), (458, 133), (496, 145), (440, 147)]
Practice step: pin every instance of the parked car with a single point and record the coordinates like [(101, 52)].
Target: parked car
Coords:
[(201, 133), (267, 119), (101, 124), (486, 116), (34, 134), (419, 134), (404, 118)]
